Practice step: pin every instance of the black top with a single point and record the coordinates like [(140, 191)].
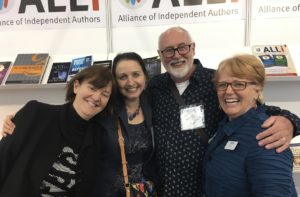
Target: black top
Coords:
[(39, 137), (139, 148), (61, 179)]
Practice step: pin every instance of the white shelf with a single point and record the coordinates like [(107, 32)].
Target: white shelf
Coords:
[(63, 85), (282, 78), (32, 86)]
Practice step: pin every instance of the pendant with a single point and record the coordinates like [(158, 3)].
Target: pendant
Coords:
[(132, 115)]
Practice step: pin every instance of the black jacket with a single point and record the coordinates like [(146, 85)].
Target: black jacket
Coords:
[(110, 157), (27, 155)]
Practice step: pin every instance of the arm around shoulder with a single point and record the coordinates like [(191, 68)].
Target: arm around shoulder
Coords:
[(294, 119)]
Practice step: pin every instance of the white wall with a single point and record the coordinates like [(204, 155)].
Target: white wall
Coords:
[(62, 42)]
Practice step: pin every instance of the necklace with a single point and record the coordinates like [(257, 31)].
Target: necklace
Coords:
[(132, 115)]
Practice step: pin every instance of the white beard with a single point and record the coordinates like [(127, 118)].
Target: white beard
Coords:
[(178, 73)]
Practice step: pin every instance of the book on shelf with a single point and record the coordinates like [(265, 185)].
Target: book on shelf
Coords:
[(59, 72), (295, 148), (276, 59), (153, 66), (106, 63), (28, 68), (79, 64), (4, 67)]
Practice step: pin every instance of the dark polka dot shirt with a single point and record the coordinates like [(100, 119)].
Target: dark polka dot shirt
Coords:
[(180, 153)]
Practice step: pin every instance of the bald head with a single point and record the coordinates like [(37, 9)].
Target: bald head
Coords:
[(173, 36)]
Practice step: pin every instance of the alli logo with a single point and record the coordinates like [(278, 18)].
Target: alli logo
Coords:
[(3, 4), (52, 6), (133, 4)]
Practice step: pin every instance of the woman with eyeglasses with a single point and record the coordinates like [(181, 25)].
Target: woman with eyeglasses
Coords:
[(234, 164)]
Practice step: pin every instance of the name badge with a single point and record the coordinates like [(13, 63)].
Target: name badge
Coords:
[(231, 145), (192, 117)]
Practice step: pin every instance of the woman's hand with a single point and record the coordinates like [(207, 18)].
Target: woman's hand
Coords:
[(8, 126)]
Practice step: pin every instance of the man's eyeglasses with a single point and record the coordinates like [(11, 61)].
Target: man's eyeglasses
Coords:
[(235, 85), (182, 50)]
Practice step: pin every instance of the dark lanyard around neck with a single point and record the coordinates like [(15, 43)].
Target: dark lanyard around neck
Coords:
[(204, 137)]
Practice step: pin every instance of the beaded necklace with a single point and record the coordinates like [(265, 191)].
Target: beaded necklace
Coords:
[(132, 115)]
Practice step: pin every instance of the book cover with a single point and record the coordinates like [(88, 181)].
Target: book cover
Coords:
[(4, 66), (153, 66), (28, 68), (79, 64), (59, 72), (276, 59), (105, 63), (295, 148)]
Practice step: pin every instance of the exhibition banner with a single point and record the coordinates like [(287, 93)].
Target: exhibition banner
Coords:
[(50, 14), (172, 12), (275, 9)]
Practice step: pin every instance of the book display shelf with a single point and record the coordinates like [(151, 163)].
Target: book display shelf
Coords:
[(283, 79), (32, 86), (270, 79)]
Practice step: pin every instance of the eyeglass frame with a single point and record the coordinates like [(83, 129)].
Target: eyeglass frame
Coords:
[(246, 83), (176, 49)]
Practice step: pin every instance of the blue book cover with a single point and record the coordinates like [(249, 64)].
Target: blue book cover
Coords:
[(59, 72), (79, 64)]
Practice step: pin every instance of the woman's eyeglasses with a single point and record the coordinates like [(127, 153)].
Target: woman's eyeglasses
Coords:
[(235, 85)]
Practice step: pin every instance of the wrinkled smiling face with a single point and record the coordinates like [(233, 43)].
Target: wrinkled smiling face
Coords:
[(90, 100), (180, 65), (237, 102), (130, 78)]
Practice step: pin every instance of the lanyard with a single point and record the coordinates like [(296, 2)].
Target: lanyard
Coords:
[(204, 137)]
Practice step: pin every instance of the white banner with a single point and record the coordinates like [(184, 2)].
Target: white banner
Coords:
[(275, 8), (168, 12), (50, 14)]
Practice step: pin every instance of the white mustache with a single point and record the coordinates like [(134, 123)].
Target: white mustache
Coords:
[(181, 61)]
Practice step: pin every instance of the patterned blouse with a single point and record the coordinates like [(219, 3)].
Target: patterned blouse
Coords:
[(139, 143)]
